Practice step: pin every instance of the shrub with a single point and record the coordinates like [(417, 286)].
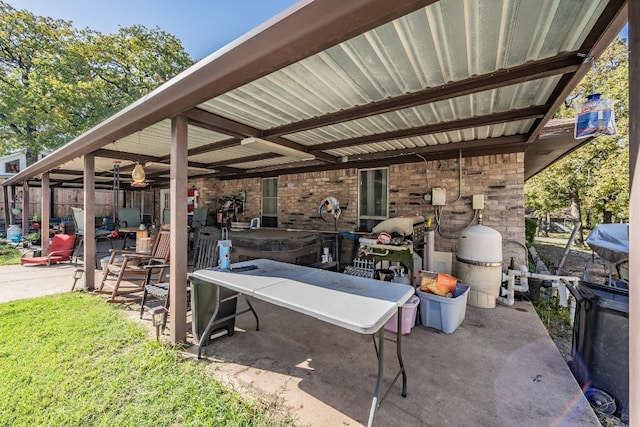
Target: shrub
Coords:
[(530, 226)]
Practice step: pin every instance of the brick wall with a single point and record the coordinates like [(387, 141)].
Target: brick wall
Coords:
[(500, 178)]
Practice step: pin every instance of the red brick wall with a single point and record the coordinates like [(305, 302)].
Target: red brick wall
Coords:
[(500, 178)]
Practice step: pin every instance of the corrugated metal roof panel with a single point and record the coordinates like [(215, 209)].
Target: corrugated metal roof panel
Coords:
[(156, 140), (478, 104), (471, 134), (412, 53)]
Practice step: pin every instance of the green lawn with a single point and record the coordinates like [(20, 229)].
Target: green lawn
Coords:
[(8, 254), (73, 360)]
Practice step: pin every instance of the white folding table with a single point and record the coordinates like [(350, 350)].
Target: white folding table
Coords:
[(356, 303)]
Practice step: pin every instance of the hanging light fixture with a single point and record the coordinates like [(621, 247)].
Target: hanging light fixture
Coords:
[(138, 176)]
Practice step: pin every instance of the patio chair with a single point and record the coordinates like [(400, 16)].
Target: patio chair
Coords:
[(125, 273), (61, 249), (198, 220), (100, 233), (128, 223), (129, 217), (204, 256)]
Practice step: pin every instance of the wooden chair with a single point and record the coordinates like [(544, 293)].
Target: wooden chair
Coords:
[(61, 249), (125, 273), (205, 256)]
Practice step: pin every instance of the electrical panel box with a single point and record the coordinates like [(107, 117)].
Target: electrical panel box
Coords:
[(477, 202), (438, 196)]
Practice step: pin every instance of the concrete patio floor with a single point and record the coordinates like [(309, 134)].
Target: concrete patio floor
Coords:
[(499, 368)]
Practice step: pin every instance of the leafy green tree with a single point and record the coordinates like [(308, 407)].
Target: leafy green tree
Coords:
[(593, 181), (56, 81)]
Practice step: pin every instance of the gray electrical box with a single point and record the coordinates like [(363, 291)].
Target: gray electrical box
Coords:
[(438, 196)]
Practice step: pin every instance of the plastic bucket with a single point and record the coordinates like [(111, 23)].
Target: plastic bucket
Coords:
[(14, 233), (409, 312)]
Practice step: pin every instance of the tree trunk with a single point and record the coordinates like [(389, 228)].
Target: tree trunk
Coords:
[(540, 225), (31, 158), (547, 224), (607, 217), (577, 215)]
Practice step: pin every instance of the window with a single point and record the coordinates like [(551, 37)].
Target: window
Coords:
[(269, 202), (12, 166), (373, 198)]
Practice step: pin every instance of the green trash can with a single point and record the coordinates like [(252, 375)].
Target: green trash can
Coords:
[(203, 305)]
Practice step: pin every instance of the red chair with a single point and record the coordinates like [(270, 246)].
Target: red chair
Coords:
[(61, 249)]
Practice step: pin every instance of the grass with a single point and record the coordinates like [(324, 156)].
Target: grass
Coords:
[(8, 254), (73, 360)]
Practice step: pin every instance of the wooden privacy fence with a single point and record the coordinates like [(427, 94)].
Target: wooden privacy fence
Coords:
[(63, 199)]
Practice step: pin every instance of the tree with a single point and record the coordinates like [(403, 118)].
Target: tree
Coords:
[(593, 180), (56, 82)]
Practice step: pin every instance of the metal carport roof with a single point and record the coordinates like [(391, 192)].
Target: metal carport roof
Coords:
[(349, 84), (359, 84)]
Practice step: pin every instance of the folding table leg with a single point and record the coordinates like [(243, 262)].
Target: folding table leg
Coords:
[(376, 394), (379, 347)]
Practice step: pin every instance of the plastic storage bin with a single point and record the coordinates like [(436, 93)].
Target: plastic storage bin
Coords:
[(443, 313), (409, 312)]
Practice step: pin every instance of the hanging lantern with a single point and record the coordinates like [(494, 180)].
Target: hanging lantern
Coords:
[(138, 176)]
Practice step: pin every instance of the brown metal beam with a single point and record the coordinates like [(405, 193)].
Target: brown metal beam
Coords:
[(207, 120), (247, 159), (561, 64), (214, 122), (123, 155), (501, 145), (466, 146), (488, 120)]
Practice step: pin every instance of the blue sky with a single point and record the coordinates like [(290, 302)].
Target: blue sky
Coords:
[(203, 26)]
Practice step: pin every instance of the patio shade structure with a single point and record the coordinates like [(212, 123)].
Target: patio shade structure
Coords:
[(352, 84)]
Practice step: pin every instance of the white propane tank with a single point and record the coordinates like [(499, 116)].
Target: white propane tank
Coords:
[(480, 264)]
